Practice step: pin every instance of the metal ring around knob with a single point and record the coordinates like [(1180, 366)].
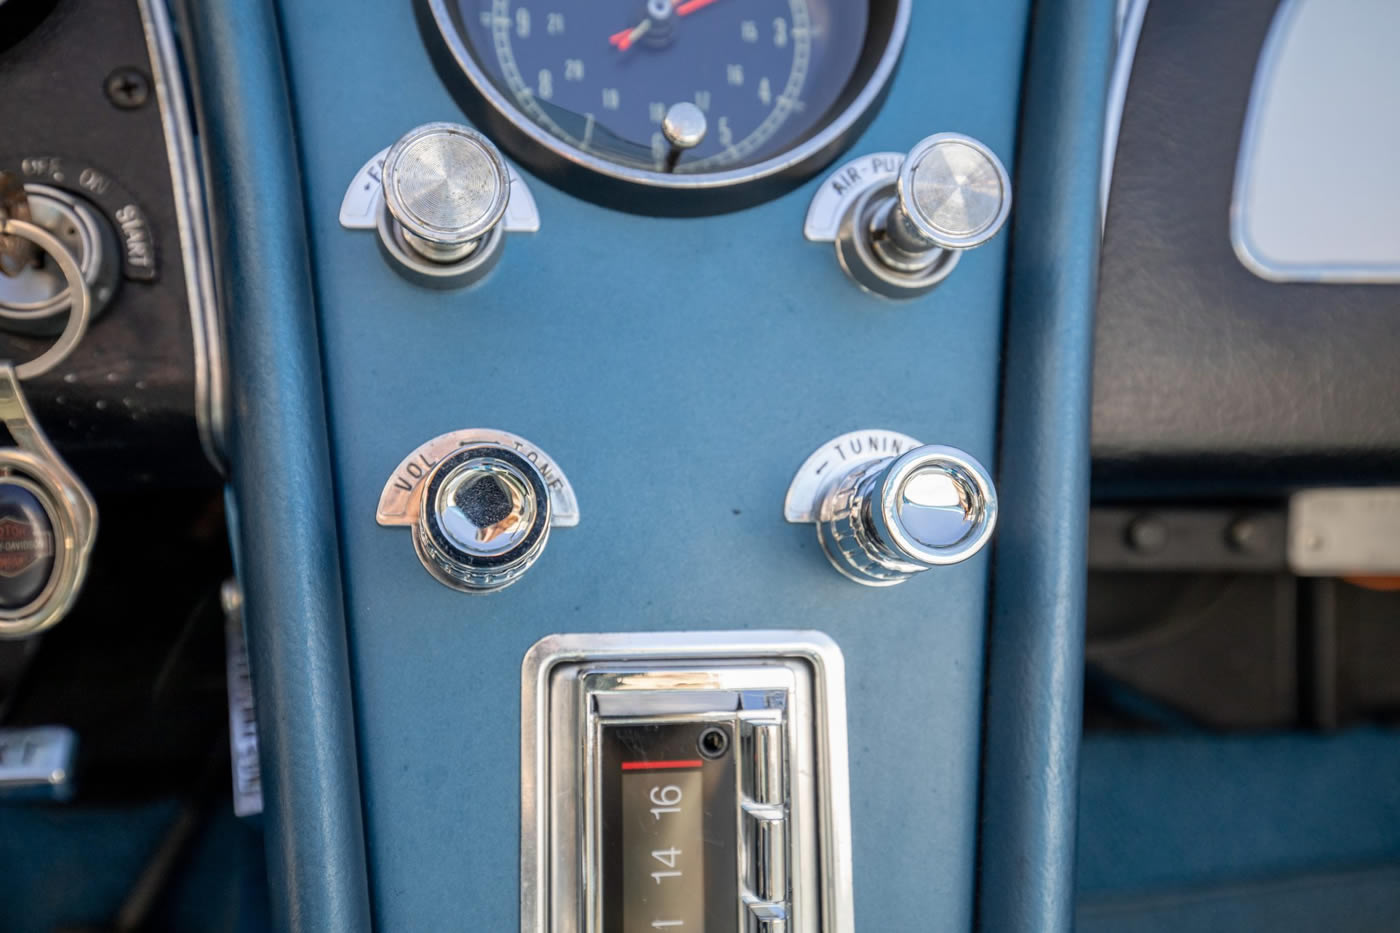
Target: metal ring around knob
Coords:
[(886, 519), (80, 310)]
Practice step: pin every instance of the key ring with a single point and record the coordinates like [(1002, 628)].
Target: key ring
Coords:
[(81, 296), (35, 468)]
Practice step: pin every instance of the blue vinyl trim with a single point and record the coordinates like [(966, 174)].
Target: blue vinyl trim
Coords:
[(281, 473), (1035, 648)]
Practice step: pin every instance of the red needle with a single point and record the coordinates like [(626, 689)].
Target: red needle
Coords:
[(690, 6), (624, 38)]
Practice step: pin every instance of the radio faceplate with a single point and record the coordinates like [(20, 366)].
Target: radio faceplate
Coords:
[(685, 782)]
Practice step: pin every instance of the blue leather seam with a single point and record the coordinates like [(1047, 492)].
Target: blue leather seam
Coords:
[(1035, 659), (280, 468)]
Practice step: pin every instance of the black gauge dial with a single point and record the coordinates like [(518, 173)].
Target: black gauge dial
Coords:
[(602, 77), (780, 82)]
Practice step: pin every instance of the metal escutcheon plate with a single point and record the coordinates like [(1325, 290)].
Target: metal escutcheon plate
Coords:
[(364, 200), (398, 503), (836, 458), (843, 188)]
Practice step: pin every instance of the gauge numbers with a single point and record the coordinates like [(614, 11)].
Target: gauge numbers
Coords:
[(601, 77)]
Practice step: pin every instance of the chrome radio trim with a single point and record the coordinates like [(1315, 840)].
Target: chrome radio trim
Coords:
[(558, 743)]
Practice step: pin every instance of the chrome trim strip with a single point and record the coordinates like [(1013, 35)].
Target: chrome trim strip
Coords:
[(1131, 13), (823, 142), (187, 186)]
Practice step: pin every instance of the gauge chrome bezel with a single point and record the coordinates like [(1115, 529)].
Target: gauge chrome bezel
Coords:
[(650, 192)]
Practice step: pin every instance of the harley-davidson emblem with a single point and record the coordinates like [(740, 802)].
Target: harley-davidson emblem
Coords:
[(22, 545)]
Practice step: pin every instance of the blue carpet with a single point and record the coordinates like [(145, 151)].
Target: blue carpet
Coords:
[(1199, 832), (71, 866)]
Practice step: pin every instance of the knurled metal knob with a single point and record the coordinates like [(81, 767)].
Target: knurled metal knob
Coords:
[(484, 518), (446, 186), (885, 520), (901, 222), (953, 193)]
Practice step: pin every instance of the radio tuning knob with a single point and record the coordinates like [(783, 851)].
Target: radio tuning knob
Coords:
[(883, 518), (900, 223), (446, 189)]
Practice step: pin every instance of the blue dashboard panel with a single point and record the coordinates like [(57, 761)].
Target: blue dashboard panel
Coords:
[(679, 370)]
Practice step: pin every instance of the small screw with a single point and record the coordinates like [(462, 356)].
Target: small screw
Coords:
[(1147, 534), (128, 88), (1244, 534)]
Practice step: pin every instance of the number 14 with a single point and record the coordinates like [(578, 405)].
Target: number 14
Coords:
[(669, 858)]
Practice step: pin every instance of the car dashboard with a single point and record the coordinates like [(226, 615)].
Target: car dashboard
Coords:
[(643, 466)]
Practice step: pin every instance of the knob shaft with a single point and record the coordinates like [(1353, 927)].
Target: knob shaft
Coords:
[(886, 520), (484, 518)]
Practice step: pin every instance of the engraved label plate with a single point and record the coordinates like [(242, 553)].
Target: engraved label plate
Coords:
[(398, 503), (364, 199), (843, 187), (836, 457)]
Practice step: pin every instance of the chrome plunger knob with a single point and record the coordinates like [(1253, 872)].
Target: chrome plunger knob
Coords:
[(902, 231), (953, 193), (445, 191), (484, 518), (887, 519)]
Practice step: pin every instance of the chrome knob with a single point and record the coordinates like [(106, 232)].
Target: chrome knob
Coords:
[(893, 508), (684, 128), (485, 517), (446, 189), (481, 503), (901, 222), (953, 193)]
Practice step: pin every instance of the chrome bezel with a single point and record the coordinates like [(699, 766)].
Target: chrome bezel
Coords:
[(563, 676), (887, 516), (610, 182)]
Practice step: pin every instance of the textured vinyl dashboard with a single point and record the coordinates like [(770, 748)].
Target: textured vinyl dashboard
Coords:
[(1205, 373), (680, 370)]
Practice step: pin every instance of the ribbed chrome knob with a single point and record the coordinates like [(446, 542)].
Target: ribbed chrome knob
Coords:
[(885, 520), (484, 518), (446, 187)]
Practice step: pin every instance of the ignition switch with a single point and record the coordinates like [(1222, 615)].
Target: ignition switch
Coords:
[(34, 295)]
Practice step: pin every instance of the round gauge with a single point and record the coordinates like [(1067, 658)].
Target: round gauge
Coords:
[(706, 105)]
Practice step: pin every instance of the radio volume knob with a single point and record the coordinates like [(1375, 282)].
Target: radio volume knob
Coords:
[(484, 518), (887, 519)]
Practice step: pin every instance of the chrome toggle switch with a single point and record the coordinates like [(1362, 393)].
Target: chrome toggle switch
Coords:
[(442, 199), (901, 222), (887, 507), (481, 504)]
